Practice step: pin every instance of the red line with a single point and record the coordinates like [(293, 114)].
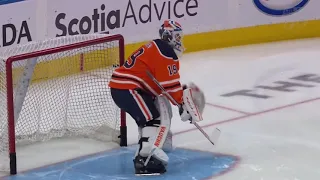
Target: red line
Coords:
[(252, 114), (227, 108)]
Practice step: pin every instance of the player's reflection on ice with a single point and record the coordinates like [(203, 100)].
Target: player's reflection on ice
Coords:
[(117, 164)]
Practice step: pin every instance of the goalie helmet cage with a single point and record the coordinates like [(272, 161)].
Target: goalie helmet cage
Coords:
[(82, 49)]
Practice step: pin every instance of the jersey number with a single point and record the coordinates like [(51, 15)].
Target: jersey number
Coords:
[(133, 59), (172, 69)]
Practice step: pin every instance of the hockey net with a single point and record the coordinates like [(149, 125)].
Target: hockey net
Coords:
[(59, 88)]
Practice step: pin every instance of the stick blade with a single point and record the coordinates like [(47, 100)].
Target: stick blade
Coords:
[(215, 135)]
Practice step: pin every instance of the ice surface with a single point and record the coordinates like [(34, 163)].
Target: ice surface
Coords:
[(275, 138)]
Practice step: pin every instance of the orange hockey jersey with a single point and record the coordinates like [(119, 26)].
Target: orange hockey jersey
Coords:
[(157, 57)]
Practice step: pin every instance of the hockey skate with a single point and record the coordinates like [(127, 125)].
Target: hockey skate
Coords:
[(154, 166)]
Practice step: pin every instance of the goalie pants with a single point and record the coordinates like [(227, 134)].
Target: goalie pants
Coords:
[(137, 103)]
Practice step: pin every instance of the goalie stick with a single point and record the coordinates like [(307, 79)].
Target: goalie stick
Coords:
[(215, 134)]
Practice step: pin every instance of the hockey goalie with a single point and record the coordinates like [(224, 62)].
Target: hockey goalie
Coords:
[(135, 92)]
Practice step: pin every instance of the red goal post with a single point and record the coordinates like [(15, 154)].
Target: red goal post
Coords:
[(63, 84)]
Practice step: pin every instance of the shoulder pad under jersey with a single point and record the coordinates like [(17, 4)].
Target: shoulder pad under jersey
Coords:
[(165, 49)]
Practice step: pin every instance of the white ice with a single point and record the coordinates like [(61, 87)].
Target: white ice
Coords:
[(275, 138)]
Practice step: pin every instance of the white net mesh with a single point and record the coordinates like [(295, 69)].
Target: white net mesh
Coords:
[(68, 94)]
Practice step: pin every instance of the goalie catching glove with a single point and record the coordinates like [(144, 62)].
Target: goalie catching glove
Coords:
[(193, 103)]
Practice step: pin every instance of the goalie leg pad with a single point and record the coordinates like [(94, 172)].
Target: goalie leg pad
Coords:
[(164, 108), (150, 143), (154, 134), (167, 146), (149, 158), (147, 135)]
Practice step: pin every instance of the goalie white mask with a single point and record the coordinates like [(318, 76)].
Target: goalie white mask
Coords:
[(171, 32)]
